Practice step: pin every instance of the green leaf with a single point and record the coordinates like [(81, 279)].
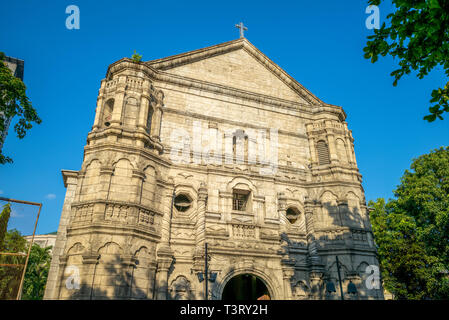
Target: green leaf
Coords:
[(434, 4), (430, 117), (416, 35)]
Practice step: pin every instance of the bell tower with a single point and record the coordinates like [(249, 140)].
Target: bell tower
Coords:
[(114, 205)]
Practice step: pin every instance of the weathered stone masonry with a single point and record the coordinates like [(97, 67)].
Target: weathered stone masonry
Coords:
[(118, 227)]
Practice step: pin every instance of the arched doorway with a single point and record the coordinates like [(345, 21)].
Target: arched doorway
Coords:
[(245, 287)]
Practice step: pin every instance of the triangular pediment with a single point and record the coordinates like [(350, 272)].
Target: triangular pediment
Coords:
[(239, 65)]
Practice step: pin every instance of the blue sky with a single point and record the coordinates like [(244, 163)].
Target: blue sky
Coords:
[(319, 43)]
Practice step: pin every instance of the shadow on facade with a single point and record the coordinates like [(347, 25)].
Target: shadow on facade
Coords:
[(345, 231), (348, 230), (111, 281)]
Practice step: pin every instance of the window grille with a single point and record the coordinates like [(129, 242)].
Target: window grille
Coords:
[(239, 201), (323, 153)]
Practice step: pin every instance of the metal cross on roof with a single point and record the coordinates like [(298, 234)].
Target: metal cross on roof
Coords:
[(242, 29)]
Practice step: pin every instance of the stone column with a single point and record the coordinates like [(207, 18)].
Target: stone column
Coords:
[(99, 109), (332, 150), (312, 245), (200, 234), (164, 261), (152, 267), (164, 254), (156, 123), (143, 112), (106, 173), (349, 150), (353, 154), (70, 182), (259, 209), (158, 96), (79, 187), (118, 102), (60, 290), (226, 205), (313, 158), (288, 272), (316, 284), (138, 177), (129, 264), (90, 264), (282, 212), (228, 151), (166, 218), (343, 212), (252, 147)]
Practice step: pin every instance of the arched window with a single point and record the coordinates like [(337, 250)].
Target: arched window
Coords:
[(108, 108), (323, 153), (149, 119)]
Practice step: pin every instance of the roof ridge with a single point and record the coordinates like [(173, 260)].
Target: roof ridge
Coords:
[(167, 63), (188, 53)]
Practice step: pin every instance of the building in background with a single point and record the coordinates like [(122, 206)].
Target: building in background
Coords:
[(43, 240)]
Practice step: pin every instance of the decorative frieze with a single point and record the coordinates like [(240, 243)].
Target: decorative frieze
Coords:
[(117, 213), (359, 235), (331, 237), (243, 231), (134, 83), (83, 213), (146, 217), (341, 236)]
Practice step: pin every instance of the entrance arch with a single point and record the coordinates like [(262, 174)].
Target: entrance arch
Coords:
[(245, 286)]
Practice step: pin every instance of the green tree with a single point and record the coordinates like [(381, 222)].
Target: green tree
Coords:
[(14, 102), (37, 273), (417, 35), (4, 218), (136, 57), (10, 275), (412, 230)]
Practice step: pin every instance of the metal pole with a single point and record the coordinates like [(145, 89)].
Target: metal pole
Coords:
[(21, 201), (171, 215), (205, 272), (132, 279), (339, 278), (19, 294), (93, 276)]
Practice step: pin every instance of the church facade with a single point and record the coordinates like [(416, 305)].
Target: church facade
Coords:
[(217, 146)]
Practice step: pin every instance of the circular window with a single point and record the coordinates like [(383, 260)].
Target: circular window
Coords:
[(182, 203), (292, 215)]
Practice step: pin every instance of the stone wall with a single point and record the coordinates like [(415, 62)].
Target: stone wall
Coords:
[(120, 231)]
